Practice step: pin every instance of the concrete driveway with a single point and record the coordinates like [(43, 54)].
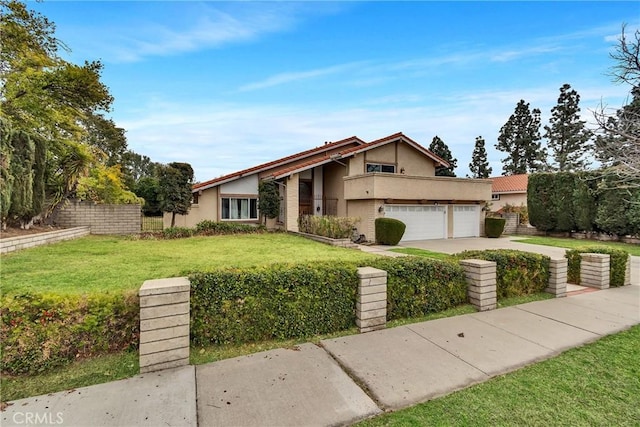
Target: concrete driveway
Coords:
[(452, 246)]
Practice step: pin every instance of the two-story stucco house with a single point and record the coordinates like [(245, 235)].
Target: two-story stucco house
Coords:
[(393, 177)]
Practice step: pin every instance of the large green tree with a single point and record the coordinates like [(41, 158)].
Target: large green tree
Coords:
[(479, 166), (567, 135), (175, 189), (60, 105), (520, 139), (441, 149)]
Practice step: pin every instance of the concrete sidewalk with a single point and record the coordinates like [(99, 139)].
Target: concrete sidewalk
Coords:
[(345, 379)]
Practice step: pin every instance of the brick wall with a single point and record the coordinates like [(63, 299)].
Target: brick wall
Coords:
[(32, 240), (512, 222), (103, 219)]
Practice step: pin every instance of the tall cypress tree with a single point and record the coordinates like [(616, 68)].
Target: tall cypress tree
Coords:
[(479, 166), (441, 149), (568, 137), (520, 139), (22, 170), (6, 177)]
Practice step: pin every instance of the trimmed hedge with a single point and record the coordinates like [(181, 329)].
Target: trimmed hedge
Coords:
[(333, 227), (279, 301), (389, 231), (297, 300), (40, 332), (417, 286), (493, 227), (518, 273), (211, 228), (619, 259)]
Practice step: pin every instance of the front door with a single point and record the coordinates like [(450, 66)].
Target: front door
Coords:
[(305, 197)]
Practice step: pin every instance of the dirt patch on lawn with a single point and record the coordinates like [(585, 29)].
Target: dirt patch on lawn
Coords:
[(34, 229)]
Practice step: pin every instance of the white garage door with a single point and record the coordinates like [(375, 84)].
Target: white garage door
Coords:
[(466, 221), (422, 221)]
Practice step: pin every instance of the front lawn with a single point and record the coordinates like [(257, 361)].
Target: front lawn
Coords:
[(577, 243), (594, 385), (108, 263)]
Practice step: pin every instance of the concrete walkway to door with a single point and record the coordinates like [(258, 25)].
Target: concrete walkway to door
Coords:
[(452, 246)]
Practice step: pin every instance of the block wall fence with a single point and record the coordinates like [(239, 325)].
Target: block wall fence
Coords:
[(165, 306), (102, 219), (32, 240)]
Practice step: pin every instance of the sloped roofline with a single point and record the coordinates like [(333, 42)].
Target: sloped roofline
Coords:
[(359, 149), (275, 163)]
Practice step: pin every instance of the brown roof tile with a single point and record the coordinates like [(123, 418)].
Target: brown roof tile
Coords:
[(510, 184), (325, 147)]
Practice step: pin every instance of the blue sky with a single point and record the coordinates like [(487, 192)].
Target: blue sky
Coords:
[(227, 85)]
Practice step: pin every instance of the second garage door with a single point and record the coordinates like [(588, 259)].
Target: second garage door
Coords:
[(466, 221), (423, 221)]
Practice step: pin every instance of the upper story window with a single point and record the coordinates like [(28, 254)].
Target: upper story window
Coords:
[(239, 208), (495, 197), (379, 167), (194, 199)]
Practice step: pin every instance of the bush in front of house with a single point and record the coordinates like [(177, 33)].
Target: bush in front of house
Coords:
[(213, 228), (42, 331), (389, 231), (619, 259), (333, 227), (493, 227), (417, 286), (517, 273)]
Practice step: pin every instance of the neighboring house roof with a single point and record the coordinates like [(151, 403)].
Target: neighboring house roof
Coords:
[(510, 184), (235, 175), (358, 149)]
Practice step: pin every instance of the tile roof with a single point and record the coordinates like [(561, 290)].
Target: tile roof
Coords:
[(510, 184), (287, 170), (301, 155)]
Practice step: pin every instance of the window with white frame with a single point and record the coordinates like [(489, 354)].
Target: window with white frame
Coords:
[(238, 208), (379, 167), (495, 197)]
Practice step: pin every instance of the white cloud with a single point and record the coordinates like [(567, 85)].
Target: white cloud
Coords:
[(290, 77)]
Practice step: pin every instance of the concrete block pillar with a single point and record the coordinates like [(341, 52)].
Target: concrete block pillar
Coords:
[(481, 282), (558, 277), (371, 306), (164, 324), (594, 270), (627, 272)]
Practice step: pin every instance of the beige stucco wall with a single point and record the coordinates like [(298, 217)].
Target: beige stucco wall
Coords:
[(399, 154), (207, 208), (334, 186), (383, 154), (405, 187), (515, 199), (414, 163), (291, 200)]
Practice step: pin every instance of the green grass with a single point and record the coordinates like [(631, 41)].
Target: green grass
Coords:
[(79, 374), (560, 242), (422, 252), (597, 384), (108, 263)]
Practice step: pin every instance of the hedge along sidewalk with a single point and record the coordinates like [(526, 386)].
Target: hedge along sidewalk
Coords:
[(518, 273), (619, 273), (298, 300)]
